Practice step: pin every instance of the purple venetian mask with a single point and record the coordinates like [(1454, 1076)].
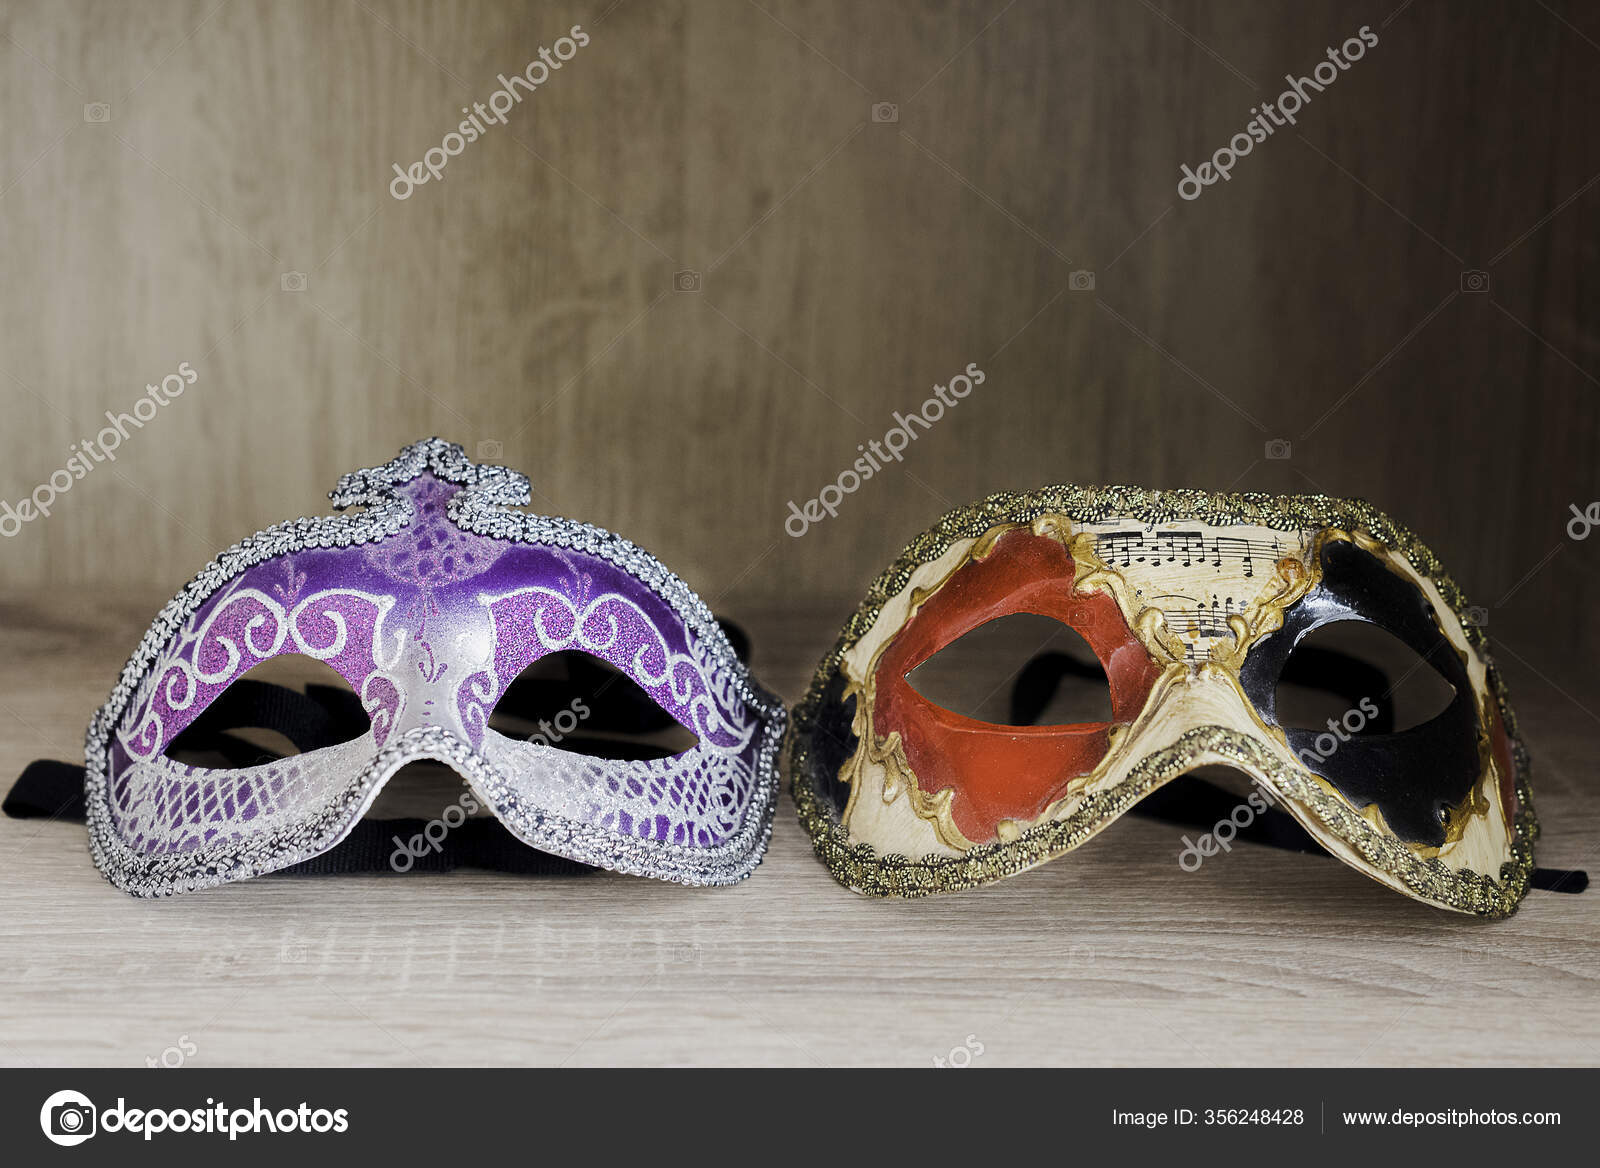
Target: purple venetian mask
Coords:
[(430, 603)]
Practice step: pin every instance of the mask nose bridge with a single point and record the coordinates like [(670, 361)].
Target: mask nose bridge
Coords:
[(425, 711), (1200, 701), (430, 742), (437, 679)]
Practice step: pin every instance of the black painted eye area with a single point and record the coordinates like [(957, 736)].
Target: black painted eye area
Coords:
[(832, 742), (1415, 776)]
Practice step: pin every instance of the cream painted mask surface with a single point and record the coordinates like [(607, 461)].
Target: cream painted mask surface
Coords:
[(1196, 606)]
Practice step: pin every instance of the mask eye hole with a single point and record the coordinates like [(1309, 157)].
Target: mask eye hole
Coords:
[(977, 675), (577, 702), (1362, 678), (254, 722)]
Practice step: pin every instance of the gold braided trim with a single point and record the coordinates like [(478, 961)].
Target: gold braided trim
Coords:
[(859, 867)]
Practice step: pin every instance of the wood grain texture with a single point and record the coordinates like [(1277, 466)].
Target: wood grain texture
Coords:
[(1111, 955), (846, 266)]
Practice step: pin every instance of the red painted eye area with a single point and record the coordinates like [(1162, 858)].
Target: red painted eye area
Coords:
[(1006, 772)]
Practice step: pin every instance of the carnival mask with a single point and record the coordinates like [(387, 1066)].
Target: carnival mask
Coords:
[(429, 604), (1195, 606)]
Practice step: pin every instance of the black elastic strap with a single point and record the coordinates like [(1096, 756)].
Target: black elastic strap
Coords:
[(1196, 803), (325, 715), (47, 790), (1560, 879), (406, 845)]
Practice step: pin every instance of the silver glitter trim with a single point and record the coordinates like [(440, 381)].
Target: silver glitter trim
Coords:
[(480, 507)]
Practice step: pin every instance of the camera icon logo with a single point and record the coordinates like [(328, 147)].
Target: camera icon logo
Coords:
[(1476, 617), (292, 282), (885, 112), (1473, 280), (1080, 281), (491, 450), (97, 111), (686, 953), (687, 280), (67, 1118), (1279, 449)]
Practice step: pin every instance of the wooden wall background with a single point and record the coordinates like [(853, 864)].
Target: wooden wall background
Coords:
[(528, 298)]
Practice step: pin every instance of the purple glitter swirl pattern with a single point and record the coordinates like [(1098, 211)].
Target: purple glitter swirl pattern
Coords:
[(536, 620), (340, 626)]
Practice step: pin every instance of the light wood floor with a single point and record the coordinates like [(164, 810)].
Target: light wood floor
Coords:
[(1109, 956)]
